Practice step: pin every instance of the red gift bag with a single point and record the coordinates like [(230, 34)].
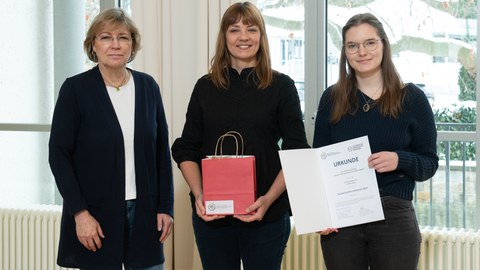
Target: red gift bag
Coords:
[(229, 183)]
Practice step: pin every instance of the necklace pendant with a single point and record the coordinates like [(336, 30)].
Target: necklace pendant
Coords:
[(117, 87), (366, 107)]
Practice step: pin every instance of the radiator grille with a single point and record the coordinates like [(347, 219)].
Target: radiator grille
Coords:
[(29, 238), (454, 249), (29, 241), (303, 252)]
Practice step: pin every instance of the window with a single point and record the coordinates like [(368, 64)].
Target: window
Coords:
[(24, 85), (30, 82), (434, 46), (284, 22)]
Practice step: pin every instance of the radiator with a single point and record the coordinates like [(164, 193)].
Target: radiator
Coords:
[(449, 249), (303, 252), (29, 241), (441, 249), (29, 238)]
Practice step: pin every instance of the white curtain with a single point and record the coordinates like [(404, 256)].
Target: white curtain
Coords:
[(172, 52)]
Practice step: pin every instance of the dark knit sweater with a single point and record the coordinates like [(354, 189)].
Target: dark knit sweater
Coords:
[(412, 136), (264, 117)]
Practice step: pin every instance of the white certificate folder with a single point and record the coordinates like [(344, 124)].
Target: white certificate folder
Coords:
[(331, 186)]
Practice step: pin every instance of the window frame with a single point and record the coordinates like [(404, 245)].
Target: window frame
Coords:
[(316, 54), (45, 127)]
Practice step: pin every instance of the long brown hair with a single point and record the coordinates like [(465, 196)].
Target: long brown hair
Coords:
[(221, 61), (345, 90)]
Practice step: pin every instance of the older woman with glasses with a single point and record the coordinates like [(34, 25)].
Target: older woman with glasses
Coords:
[(369, 98), (110, 157)]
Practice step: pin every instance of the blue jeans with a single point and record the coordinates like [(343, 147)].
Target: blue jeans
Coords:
[(129, 223), (222, 244), (392, 244)]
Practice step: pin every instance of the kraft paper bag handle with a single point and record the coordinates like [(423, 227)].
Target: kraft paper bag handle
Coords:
[(222, 138)]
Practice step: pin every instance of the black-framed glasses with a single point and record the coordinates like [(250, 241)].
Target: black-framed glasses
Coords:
[(369, 44)]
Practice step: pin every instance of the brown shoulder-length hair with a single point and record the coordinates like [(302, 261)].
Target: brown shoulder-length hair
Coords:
[(345, 90), (113, 16), (221, 61)]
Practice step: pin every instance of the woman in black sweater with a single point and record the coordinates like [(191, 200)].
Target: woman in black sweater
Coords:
[(242, 93), (370, 99)]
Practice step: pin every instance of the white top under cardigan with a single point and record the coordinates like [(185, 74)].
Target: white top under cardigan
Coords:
[(123, 101)]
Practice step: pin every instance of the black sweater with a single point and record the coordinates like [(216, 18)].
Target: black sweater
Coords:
[(268, 119), (412, 136)]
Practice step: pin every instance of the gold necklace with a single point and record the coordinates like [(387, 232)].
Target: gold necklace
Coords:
[(121, 83), (366, 107)]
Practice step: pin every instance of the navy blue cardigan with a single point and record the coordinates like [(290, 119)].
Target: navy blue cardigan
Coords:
[(412, 136), (86, 155)]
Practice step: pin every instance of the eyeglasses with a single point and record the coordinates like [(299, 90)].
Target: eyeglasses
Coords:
[(106, 39), (369, 44)]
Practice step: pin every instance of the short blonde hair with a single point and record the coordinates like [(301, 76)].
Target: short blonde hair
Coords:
[(111, 16)]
